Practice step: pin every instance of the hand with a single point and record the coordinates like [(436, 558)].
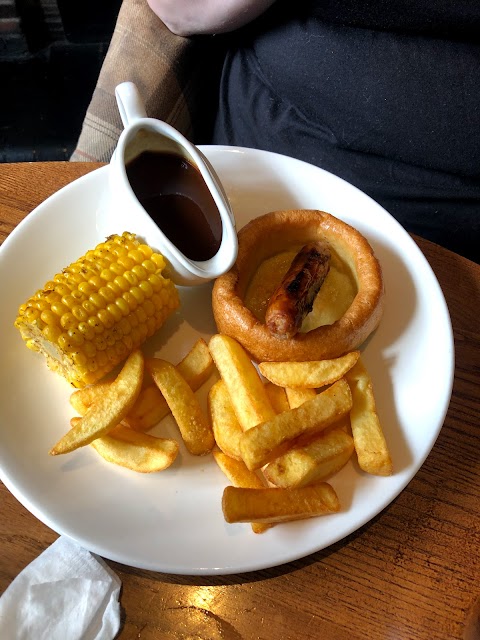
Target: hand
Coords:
[(191, 17)]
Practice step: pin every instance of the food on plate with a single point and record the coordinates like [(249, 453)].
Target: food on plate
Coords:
[(370, 444), (248, 395), (278, 505), (92, 314), (192, 422), (307, 296), (148, 410), (277, 396), (240, 476), (268, 440), (138, 452), (345, 312), (109, 410), (297, 396), (151, 407), (308, 374), (226, 428), (318, 460), (294, 296), (197, 366), (82, 399)]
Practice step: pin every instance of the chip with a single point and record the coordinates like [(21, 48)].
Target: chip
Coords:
[(318, 460), (370, 444), (246, 389), (138, 452), (226, 428), (311, 374), (240, 476), (273, 438), (296, 396), (109, 410), (278, 505), (191, 420)]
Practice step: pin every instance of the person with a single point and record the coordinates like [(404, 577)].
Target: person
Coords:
[(384, 94)]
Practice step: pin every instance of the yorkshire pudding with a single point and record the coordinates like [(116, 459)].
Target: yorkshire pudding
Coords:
[(280, 232)]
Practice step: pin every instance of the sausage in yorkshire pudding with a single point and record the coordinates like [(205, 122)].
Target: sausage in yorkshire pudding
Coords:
[(346, 310)]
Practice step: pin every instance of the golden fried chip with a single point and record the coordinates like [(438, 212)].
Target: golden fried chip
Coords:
[(312, 374), (273, 438), (370, 444), (297, 396), (82, 399), (319, 460), (240, 476), (151, 407), (278, 505), (108, 410), (277, 396), (247, 392), (226, 428), (197, 366), (191, 420), (139, 452), (148, 410)]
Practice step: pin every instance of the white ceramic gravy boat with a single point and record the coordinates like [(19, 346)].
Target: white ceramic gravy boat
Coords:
[(125, 213)]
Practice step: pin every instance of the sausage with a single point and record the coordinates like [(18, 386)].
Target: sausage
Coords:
[(293, 298)]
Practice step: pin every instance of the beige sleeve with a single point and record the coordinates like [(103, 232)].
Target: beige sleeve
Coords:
[(171, 73)]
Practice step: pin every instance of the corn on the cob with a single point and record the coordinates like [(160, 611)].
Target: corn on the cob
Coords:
[(99, 309)]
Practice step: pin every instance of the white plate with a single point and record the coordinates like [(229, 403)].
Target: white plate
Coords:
[(172, 521)]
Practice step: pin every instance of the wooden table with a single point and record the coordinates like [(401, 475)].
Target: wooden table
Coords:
[(413, 572)]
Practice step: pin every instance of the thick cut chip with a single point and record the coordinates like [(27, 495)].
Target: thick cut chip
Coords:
[(197, 366), (297, 396), (313, 374), (278, 505), (135, 451), (139, 452), (370, 444), (273, 438), (277, 396), (82, 399), (226, 428), (109, 410), (240, 476), (249, 398), (148, 410), (151, 407), (191, 420), (319, 460)]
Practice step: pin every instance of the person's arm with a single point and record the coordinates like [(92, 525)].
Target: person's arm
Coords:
[(191, 17)]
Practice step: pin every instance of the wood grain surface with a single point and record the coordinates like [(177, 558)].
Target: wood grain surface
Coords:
[(411, 573)]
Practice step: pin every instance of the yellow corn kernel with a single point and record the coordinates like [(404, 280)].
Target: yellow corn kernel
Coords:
[(48, 317), (146, 250), (80, 313), (88, 318), (131, 278), (96, 282), (115, 312), (140, 272), (68, 320)]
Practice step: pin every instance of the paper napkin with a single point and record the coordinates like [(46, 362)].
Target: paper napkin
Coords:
[(65, 593)]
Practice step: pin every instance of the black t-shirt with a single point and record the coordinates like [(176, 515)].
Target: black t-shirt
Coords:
[(385, 94)]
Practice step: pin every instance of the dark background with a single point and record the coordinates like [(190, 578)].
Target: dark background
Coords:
[(51, 52)]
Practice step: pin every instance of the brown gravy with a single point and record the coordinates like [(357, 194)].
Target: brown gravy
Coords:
[(174, 194)]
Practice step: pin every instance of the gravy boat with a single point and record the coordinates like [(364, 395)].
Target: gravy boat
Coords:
[(126, 213)]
